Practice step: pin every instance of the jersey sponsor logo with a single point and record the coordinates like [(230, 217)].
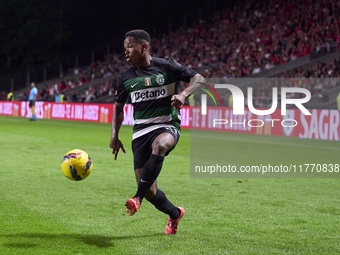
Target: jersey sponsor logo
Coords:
[(147, 81), (152, 93), (160, 79)]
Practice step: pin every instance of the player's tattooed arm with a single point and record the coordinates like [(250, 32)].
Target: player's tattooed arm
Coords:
[(195, 82)]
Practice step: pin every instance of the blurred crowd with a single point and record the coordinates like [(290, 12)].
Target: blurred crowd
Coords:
[(251, 37), (256, 35), (63, 89), (316, 79)]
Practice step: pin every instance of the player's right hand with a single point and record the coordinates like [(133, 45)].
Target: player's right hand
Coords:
[(177, 101), (115, 145)]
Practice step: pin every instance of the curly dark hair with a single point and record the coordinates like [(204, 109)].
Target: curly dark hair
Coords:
[(139, 35)]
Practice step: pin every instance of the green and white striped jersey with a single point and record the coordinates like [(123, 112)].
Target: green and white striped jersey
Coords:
[(151, 89)]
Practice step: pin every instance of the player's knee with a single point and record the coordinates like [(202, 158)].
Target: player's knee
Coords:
[(161, 147)]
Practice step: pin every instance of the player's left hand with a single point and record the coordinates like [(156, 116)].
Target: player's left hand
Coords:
[(177, 101)]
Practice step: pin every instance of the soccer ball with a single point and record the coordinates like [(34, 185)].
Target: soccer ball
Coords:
[(76, 165)]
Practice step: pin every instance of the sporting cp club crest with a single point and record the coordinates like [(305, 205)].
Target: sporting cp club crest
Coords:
[(288, 129), (147, 81), (160, 79)]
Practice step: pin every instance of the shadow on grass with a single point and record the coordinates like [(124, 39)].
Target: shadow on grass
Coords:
[(98, 240)]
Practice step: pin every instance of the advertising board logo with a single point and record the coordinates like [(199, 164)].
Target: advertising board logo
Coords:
[(23, 108), (288, 129)]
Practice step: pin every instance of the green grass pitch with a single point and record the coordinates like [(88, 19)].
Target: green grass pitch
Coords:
[(42, 212)]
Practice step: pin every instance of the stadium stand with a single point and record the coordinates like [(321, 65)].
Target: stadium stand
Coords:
[(256, 39)]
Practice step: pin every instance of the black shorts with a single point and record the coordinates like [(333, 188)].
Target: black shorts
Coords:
[(142, 146), (31, 103)]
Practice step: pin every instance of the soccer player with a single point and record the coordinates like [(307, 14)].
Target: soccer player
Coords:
[(152, 84), (57, 97), (32, 98)]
